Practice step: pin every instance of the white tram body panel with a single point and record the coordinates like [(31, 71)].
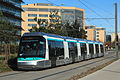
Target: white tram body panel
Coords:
[(43, 50)]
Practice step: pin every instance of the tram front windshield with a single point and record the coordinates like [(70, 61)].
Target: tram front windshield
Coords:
[(32, 46)]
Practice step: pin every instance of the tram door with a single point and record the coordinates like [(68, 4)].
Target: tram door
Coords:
[(91, 50), (53, 58), (83, 50), (72, 55), (97, 50), (72, 51), (52, 52)]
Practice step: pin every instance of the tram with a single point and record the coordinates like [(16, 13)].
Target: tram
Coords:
[(38, 50)]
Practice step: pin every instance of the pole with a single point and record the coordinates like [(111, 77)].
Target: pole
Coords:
[(116, 30)]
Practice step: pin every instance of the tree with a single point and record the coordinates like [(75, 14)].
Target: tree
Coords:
[(41, 22), (74, 30), (8, 31), (83, 34), (56, 27), (8, 34), (54, 19)]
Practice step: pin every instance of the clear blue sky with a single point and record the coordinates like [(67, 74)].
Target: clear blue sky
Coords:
[(93, 9)]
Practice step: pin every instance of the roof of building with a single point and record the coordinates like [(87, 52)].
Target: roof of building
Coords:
[(51, 6)]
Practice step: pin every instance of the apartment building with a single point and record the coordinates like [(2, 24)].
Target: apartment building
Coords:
[(100, 34), (43, 12), (96, 33), (91, 33), (11, 9)]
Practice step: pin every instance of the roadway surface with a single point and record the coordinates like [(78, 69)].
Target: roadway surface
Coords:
[(58, 73)]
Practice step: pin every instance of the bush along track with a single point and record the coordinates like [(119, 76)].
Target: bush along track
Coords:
[(4, 68), (9, 66)]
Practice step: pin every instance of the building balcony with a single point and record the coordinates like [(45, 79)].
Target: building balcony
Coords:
[(9, 14), (9, 4), (21, 1)]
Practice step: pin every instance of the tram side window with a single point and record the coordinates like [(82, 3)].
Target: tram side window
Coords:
[(97, 48), (72, 49), (59, 50), (51, 45), (42, 48), (91, 48), (102, 49), (83, 48), (56, 49)]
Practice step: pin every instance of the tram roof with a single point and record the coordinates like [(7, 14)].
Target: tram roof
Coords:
[(57, 36)]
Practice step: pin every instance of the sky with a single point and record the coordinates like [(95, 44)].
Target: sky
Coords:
[(97, 12)]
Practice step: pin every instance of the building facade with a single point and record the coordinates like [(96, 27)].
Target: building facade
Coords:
[(96, 33), (113, 37), (101, 34), (11, 9), (43, 11), (91, 33)]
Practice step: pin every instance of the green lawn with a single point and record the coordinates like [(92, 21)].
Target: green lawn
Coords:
[(4, 68), (10, 65)]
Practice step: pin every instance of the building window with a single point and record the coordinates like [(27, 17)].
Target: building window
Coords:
[(52, 10), (97, 35), (32, 9), (32, 25), (25, 9), (43, 15), (31, 20), (43, 9), (97, 39), (32, 15), (68, 11)]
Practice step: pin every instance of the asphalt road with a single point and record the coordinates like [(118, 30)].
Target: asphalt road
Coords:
[(58, 73)]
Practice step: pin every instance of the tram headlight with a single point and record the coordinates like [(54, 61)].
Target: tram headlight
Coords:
[(35, 63)]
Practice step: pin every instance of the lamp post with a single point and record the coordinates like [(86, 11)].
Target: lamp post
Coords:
[(116, 30)]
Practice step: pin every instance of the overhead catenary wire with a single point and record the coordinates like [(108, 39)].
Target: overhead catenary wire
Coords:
[(87, 7), (95, 12), (109, 13), (88, 18)]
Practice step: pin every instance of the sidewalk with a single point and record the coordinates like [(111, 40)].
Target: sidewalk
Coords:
[(110, 72)]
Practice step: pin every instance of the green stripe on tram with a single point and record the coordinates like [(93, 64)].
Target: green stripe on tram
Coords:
[(30, 59), (55, 39)]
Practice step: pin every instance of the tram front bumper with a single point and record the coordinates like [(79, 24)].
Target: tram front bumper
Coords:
[(27, 65)]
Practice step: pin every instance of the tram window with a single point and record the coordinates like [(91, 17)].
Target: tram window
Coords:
[(29, 46), (42, 49), (51, 45), (72, 49), (56, 49), (97, 48), (91, 48), (59, 50), (102, 49), (83, 48)]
